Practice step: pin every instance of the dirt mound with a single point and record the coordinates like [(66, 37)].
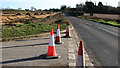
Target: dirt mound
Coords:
[(42, 14), (18, 14), (27, 14), (107, 17), (36, 14), (19, 19), (48, 13)]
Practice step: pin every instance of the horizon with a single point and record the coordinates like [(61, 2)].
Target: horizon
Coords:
[(47, 4)]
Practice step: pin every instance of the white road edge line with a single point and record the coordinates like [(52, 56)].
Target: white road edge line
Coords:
[(108, 31)]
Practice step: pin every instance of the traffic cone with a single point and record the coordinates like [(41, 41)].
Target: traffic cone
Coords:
[(68, 29), (68, 22), (79, 62), (80, 51), (51, 53), (58, 37)]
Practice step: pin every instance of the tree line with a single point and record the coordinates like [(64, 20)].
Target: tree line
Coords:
[(90, 7)]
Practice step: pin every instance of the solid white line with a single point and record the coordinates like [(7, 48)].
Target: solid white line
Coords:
[(108, 31)]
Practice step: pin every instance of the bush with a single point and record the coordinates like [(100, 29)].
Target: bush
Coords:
[(18, 25), (28, 22), (113, 23), (101, 21)]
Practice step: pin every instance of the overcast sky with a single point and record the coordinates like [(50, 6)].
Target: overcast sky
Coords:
[(46, 4)]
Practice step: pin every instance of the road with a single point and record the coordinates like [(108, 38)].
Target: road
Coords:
[(101, 41), (27, 53)]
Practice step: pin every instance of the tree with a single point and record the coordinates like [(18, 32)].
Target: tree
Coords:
[(26, 9), (32, 8), (100, 4), (63, 8), (39, 9), (77, 9), (45, 9), (90, 6), (100, 7), (54, 9)]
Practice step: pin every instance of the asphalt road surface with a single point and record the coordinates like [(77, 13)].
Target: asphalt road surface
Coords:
[(101, 40)]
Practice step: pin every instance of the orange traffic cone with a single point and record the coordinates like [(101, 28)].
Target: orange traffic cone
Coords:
[(68, 22), (51, 53), (68, 29), (58, 37), (79, 62)]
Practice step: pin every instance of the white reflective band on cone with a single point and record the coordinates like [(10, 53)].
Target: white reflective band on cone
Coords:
[(58, 32), (51, 42), (67, 28)]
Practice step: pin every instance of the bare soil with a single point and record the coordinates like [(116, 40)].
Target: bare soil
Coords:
[(14, 19), (113, 17)]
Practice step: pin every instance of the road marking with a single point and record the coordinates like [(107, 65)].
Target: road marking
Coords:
[(86, 57), (76, 36), (70, 45), (108, 31), (87, 24), (70, 39), (71, 56), (71, 50), (72, 64), (89, 63)]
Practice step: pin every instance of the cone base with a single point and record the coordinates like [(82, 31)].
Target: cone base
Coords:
[(45, 56), (67, 36), (51, 51), (58, 42)]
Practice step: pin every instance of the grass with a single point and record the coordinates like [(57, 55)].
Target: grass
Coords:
[(114, 23), (29, 28)]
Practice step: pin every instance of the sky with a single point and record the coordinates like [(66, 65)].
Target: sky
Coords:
[(46, 4)]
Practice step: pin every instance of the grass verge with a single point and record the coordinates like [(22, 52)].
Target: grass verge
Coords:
[(29, 29), (113, 23), (34, 27)]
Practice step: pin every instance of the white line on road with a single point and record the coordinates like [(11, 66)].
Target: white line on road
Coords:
[(72, 64), (108, 31), (71, 50), (87, 24), (71, 56)]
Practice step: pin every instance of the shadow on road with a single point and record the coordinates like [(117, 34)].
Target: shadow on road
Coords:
[(32, 39), (24, 59), (25, 45), (65, 37)]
